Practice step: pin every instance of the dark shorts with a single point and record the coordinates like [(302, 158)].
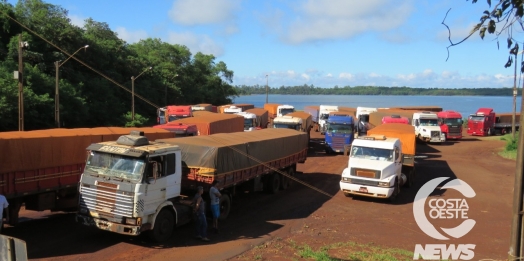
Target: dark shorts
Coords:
[(215, 209)]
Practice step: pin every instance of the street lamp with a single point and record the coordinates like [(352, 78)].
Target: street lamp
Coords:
[(57, 93), (267, 83), (133, 78), (165, 99)]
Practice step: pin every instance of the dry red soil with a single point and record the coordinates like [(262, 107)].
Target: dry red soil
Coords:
[(260, 223)]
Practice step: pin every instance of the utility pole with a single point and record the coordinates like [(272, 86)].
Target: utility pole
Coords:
[(20, 84), (267, 84), (57, 96), (514, 96), (133, 78)]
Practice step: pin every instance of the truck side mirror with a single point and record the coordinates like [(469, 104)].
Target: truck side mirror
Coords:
[(417, 123)]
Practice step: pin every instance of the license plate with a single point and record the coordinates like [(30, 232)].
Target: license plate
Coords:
[(363, 189)]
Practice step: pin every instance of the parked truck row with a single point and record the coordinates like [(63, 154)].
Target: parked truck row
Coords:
[(486, 122)]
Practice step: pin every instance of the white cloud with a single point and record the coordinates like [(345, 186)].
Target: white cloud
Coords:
[(336, 19), (130, 36), (348, 76), (305, 76), (77, 20), (198, 12), (196, 43)]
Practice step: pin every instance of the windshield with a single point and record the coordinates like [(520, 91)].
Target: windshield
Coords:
[(340, 128), (249, 123), (453, 121), (286, 111), (428, 122), (476, 118), (371, 153), (286, 126), (116, 166), (324, 116)]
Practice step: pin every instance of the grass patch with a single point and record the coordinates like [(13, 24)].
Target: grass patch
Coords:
[(510, 150), (354, 252)]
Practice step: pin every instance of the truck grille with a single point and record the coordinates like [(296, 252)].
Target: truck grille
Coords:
[(338, 143), (435, 134), (106, 198), (454, 129), (365, 173), (363, 182)]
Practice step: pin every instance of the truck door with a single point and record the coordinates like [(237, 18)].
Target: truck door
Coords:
[(163, 180), (398, 161)]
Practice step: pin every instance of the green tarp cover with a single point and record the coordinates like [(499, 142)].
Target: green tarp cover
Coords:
[(226, 152)]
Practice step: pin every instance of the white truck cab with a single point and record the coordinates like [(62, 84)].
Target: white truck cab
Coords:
[(363, 113), (323, 115), (282, 110), (374, 168), (288, 122), (232, 110), (427, 127), (250, 120)]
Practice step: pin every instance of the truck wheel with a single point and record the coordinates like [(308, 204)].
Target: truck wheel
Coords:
[(489, 132), (164, 225), (274, 183), (411, 179), (225, 207), (291, 173), (393, 197)]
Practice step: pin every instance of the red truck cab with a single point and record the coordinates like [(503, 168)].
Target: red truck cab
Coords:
[(482, 123), (450, 124), (180, 129), (395, 119), (177, 112)]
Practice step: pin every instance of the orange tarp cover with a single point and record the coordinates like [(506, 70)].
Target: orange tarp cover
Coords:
[(404, 132), (200, 113), (271, 109), (262, 116), (211, 123), (307, 120), (507, 117), (30, 150)]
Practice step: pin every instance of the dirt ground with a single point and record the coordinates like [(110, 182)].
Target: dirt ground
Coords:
[(270, 227)]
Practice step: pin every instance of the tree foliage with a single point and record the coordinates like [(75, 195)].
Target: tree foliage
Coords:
[(90, 98), (373, 90)]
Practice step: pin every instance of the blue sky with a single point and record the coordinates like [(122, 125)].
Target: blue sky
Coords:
[(319, 42)]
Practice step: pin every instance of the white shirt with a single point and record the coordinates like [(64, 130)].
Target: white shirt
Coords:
[(3, 204)]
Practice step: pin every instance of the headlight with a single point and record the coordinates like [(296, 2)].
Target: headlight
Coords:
[(134, 221), (383, 184), (345, 179)]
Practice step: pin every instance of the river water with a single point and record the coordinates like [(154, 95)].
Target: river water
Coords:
[(465, 105)]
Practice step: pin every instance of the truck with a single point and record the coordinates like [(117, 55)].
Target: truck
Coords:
[(250, 120), (307, 122), (179, 129), (133, 186), (288, 122), (272, 109), (212, 123), (283, 110), (323, 115), (314, 112), (40, 169), (485, 122), (395, 118), (262, 117), (175, 112), (202, 107), (427, 128), (363, 113), (339, 133), (232, 109), (450, 124), (380, 163), (161, 115)]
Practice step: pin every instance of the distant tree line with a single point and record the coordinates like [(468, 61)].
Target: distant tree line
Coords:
[(90, 98), (373, 90)]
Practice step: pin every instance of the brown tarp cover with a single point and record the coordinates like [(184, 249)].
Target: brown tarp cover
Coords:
[(404, 132), (220, 109), (307, 120), (262, 116), (207, 106), (31, 150), (200, 113), (419, 108), (211, 123), (224, 153), (506, 117), (271, 109)]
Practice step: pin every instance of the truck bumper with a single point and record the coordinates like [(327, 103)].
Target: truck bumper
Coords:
[(367, 191), (108, 226)]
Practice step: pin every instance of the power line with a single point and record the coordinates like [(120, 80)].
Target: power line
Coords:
[(80, 61)]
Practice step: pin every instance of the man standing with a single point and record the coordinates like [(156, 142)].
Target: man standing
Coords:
[(3, 205), (215, 195), (199, 211)]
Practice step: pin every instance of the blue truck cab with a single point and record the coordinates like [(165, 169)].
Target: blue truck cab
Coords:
[(339, 132)]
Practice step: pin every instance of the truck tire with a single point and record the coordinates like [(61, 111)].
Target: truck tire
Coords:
[(411, 179), (291, 172), (225, 206), (284, 180), (489, 132), (164, 225), (393, 197), (273, 183)]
